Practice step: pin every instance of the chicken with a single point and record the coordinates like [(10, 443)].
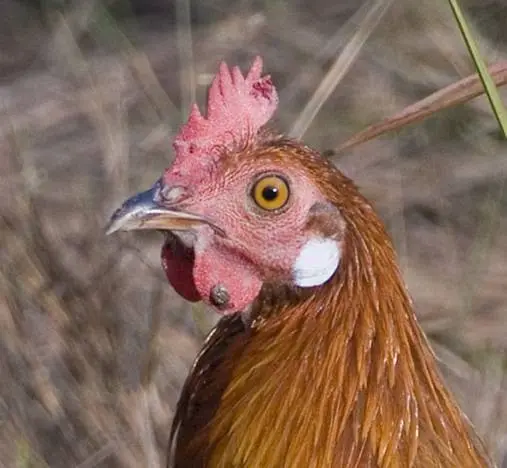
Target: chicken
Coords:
[(318, 359)]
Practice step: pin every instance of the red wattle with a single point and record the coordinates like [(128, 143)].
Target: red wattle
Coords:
[(178, 264)]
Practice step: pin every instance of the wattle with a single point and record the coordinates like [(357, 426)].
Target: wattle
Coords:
[(195, 278), (178, 264)]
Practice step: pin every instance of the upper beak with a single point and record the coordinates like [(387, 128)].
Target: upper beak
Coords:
[(143, 212)]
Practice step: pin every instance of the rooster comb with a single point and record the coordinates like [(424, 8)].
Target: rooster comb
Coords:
[(237, 108)]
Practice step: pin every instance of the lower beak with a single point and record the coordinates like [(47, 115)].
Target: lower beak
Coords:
[(142, 212)]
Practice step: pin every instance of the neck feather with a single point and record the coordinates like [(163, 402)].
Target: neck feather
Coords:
[(342, 375)]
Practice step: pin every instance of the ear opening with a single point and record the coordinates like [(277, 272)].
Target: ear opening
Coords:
[(325, 219)]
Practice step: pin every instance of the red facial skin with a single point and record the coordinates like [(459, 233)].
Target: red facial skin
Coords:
[(258, 245)]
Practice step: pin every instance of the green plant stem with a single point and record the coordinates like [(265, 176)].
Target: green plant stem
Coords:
[(488, 83)]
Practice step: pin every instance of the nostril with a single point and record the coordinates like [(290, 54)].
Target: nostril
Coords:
[(171, 194)]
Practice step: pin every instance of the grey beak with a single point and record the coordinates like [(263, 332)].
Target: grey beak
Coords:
[(142, 211)]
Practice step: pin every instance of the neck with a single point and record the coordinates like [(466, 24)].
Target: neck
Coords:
[(342, 376)]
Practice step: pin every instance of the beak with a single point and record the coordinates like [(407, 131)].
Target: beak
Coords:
[(142, 211)]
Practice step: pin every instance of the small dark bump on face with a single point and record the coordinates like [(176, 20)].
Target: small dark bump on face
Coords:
[(219, 296)]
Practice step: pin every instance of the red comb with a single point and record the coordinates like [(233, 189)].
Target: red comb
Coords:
[(237, 108)]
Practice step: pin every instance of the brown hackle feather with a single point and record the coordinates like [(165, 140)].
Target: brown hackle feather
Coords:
[(333, 376)]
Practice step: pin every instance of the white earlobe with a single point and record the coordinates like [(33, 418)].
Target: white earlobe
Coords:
[(316, 263)]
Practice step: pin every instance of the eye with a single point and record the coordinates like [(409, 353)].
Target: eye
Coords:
[(271, 192)]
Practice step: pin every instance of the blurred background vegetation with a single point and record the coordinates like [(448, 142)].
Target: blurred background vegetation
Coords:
[(94, 345)]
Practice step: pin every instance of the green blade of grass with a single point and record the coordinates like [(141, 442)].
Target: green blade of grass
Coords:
[(487, 81)]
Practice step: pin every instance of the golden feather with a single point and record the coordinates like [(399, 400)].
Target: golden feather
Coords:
[(340, 375)]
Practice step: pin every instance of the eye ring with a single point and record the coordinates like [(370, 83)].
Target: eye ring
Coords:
[(270, 192)]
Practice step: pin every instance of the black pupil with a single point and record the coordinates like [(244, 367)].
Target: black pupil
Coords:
[(269, 193)]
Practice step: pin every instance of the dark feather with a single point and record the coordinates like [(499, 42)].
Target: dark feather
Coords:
[(202, 391)]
